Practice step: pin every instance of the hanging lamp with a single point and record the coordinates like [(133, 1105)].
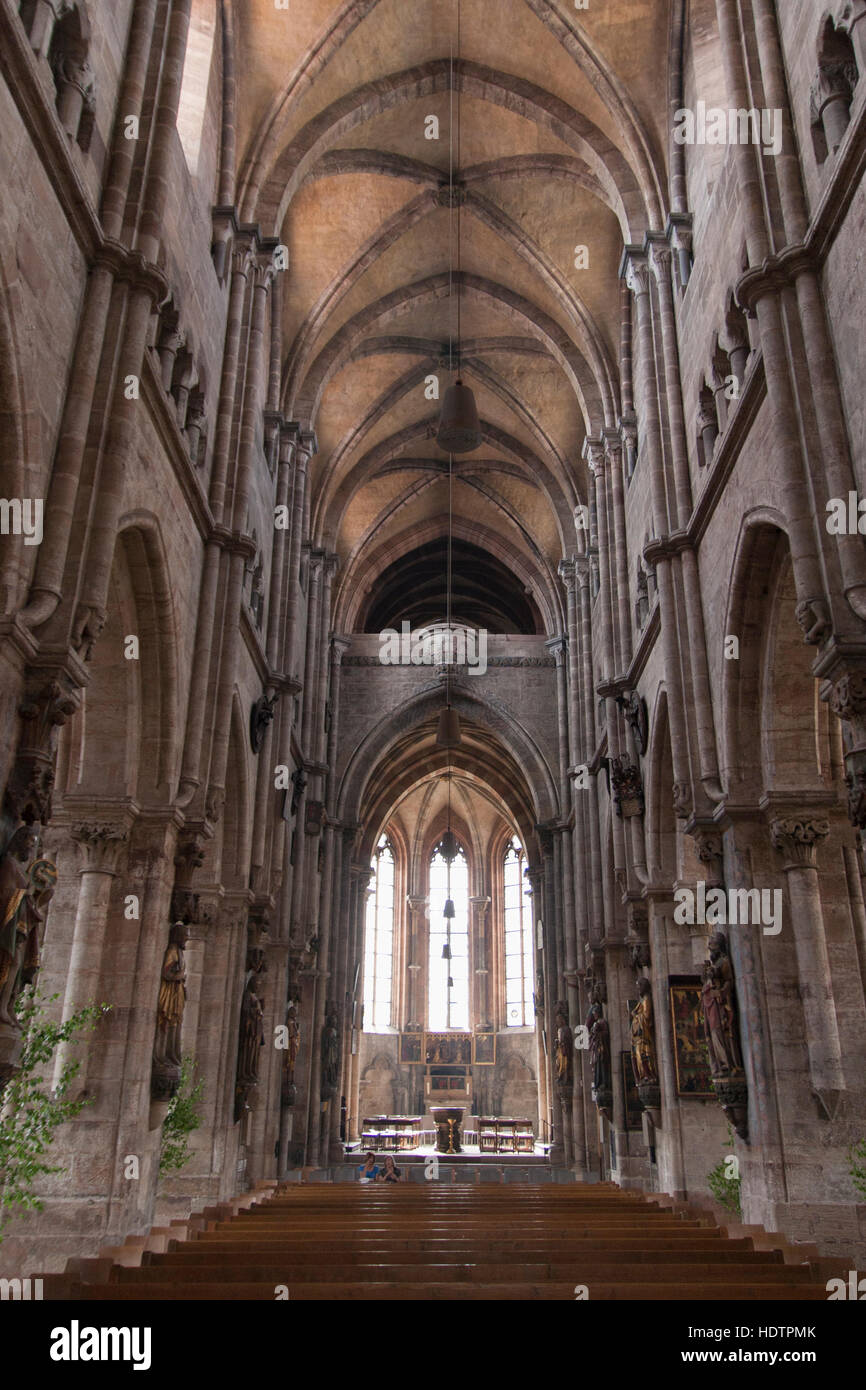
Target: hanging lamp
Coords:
[(459, 428), (448, 733)]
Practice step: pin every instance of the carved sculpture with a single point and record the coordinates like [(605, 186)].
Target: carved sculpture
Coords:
[(261, 716), (299, 782), (643, 1051), (719, 1007), (627, 787), (634, 708), (563, 1048), (251, 1034), (289, 1090), (165, 1076), (25, 893), (330, 1052), (599, 1056)]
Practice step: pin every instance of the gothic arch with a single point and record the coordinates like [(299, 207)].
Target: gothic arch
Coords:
[(786, 745)]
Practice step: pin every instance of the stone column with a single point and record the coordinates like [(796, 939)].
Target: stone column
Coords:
[(307, 447), (256, 379), (797, 838), (480, 948), (637, 278), (101, 844), (669, 1141)]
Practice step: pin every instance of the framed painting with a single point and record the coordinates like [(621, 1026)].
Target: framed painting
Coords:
[(450, 1049), (691, 1061), (484, 1049), (411, 1048)]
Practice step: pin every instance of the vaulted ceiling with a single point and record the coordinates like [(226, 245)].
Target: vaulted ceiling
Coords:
[(563, 118)]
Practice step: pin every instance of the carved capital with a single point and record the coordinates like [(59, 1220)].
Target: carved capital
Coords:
[(797, 839), (660, 261), (637, 277), (44, 709), (832, 81), (100, 844), (567, 573), (593, 452), (848, 699)]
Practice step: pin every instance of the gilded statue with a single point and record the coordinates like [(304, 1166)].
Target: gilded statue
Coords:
[(27, 884), (171, 1001), (563, 1047), (643, 1056)]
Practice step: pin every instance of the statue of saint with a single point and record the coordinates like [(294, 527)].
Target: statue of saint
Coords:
[(563, 1047), (24, 897), (171, 1001), (599, 1048), (330, 1051), (642, 1038), (252, 1033), (719, 1005), (293, 1046)]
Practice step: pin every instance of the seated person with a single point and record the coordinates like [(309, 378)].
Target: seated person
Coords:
[(390, 1172), (368, 1171)]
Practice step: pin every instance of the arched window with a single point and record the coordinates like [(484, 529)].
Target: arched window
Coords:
[(192, 108), (379, 940), (448, 976), (518, 940)]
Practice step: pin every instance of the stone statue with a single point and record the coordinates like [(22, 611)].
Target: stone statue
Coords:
[(299, 782), (24, 897), (171, 1003), (252, 1033), (538, 997), (719, 1005), (563, 1048), (330, 1052), (293, 1046), (599, 1050), (643, 1056), (261, 715)]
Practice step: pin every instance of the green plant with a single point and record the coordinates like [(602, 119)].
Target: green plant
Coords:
[(182, 1117), (724, 1188), (32, 1111), (857, 1166)]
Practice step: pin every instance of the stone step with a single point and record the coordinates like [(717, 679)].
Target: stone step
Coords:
[(485, 1272), (430, 1291), (597, 1246), (194, 1258)]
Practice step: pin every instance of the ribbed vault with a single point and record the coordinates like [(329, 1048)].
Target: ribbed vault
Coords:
[(562, 146)]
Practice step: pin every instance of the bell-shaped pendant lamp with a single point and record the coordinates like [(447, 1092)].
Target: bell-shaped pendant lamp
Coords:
[(448, 733), (448, 846), (459, 428), (448, 911)]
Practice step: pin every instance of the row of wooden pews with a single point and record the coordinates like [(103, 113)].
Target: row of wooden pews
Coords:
[(444, 1242)]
